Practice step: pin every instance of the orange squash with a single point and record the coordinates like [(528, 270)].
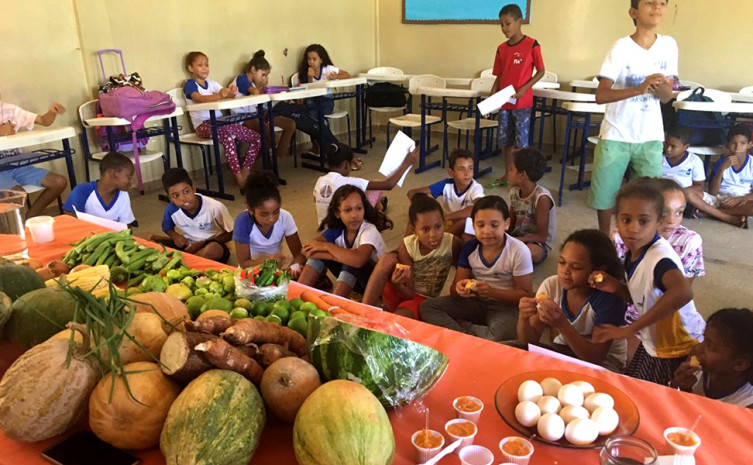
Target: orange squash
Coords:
[(169, 307)]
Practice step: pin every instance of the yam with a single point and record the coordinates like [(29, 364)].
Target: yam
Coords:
[(226, 357), (180, 360), (248, 330)]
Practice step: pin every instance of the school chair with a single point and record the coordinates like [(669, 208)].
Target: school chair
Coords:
[(30, 189), (295, 82), (541, 116), (483, 85), (193, 139), (88, 110), (747, 90), (487, 72), (413, 120), (707, 152), (383, 71), (692, 85)]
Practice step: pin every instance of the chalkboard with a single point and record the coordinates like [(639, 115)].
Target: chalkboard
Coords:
[(459, 11)]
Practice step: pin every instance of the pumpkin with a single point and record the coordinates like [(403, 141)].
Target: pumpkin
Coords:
[(42, 397), (286, 383), (217, 419), (149, 330), (5, 310), (132, 420), (342, 423), (38, 315), (170, 308), (17, 280)]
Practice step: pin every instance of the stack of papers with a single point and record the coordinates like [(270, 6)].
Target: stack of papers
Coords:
[(493, 103), (400, 147)]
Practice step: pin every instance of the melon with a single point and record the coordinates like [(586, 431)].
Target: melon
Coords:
[(17, 280), (342, 423), (5, 309), (38, 315), (171, 309), (217, 419), (397, 371)]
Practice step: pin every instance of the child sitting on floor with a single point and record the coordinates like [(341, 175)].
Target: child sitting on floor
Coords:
[(420, 267), (679, 165), (339, 160), (351, 244), (458, 192), (729, 197), (722, 365), (533, 217), (12, 120), (571, 308), (494, 272), (107, 197), (260, 230), (194, 223)]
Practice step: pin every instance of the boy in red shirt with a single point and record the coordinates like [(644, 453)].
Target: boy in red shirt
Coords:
[(514, 64)]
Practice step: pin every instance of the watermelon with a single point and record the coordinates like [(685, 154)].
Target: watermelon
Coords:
[(397, 371), (17, 280), (342, 423), (216, 420), (38, 315)]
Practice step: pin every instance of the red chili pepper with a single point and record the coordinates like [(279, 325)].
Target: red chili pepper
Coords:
[(277, 273), (244, 274), (251, 280)]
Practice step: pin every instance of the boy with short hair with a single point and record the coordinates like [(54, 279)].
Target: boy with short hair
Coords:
[(107, 197), (636, 75), (458, 192), (514, 64), (679, 165), (12, 120), (730, 195), (533, 218), (194, 223)]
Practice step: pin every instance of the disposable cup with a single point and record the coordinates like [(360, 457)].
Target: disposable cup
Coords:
[(516, 459), (679, 448), (423, 454), (476, 455), (464, 440), (41, 229), (472, 416)]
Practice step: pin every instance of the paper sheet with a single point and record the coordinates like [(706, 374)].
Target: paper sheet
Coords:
[(104, 222), (550, 353), (400, 147), (494, 102)]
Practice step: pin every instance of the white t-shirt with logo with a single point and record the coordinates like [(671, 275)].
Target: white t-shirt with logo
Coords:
[(85, 198), (18, 117), (246, 231), (367, 234), (212, 87), (454, 200), (689, 170), (514, 260), (736, 183), (637, 119), (327, 185), (210, 220)]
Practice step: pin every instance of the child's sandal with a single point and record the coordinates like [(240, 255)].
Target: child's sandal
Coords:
[(356, 164)]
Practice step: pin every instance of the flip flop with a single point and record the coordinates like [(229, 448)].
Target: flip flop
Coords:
[(744, 222), (356, 164), (497, 183)]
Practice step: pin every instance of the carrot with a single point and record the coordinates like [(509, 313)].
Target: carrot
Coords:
[(354, 308), (338, 311), (316, 299), (248, 331)]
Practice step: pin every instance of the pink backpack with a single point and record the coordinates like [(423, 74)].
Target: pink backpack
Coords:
[(135, 105)]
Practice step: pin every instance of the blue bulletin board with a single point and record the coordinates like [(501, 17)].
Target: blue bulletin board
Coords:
[(459, 11)]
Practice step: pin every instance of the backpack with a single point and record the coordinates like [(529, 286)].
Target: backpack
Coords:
[(713, 132), (134, 105), (385, 94)]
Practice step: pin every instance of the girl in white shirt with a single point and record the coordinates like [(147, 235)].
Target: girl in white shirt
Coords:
[(316, 65)]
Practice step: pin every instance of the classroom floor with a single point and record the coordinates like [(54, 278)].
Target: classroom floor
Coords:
[(727, 251)]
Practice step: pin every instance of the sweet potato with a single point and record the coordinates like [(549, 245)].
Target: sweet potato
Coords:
[(226, 357), (212, 325), (248, 331)]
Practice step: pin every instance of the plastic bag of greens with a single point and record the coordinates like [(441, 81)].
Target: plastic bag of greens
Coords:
[(262, 282)]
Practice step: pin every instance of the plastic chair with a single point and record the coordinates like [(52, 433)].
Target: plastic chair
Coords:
[(413, 120), (548, 77), (30, 189), (487, 72), (483, 85), (88, 110), (747, 90), (295, 82), (691, 84), (382, 71), (193, 139)]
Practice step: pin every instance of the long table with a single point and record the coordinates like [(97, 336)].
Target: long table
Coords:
[(477, 367)]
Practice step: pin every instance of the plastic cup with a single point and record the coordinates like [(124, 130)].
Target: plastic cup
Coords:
[(678, 448), (476, 455), (424, 454), (465, 440), (516, 459), (471, 416), (41, 229)]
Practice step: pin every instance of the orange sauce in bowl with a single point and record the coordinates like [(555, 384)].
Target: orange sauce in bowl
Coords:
[(462, 429), (682, 439), (427, 439), (466, 404), (516, 447)]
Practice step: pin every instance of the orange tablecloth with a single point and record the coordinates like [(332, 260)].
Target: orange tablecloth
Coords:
[(477, 367)]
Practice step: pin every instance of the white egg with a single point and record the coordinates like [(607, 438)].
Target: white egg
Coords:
[(598, 399), (527, 413), (581, 432), (549, 404), (570, 394), (571, 412), (551, 386), (606, 419), (585, 386), (529, 390), (551, 427)]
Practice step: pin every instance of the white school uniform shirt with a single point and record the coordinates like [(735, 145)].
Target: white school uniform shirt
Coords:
[(244, 84), (742, 397), (210, 220), (736, 183), (246, 231), (86, 199), (367, 234), (689, 170), (212, 87), (18, 117), (675, 335), (637, 119), (323, 74), (454, 200), (327, 185), (525, 214), (600, 308), (514, 260)]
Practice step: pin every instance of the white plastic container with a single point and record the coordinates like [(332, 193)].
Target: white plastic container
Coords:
[(41, 229)]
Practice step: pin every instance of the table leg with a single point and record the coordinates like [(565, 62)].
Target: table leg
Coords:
[(322, 157), (582, 166), (176, 141), (477, 173), (69, 163), (564, 157), (359, 120), (137, 160), (218, 159), (273, 144)]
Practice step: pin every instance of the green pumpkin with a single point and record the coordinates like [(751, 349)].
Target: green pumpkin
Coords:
[(17, 280), (38, 315)]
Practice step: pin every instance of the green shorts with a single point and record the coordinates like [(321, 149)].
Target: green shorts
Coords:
[(611, 159)]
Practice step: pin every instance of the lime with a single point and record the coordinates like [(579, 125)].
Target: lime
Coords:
[(274, 319), (298, 314), (243, 303), (308, 307), (239, 312), (217, 304), (299, 325), (260, 318), (282, 313), (194, 304), (296, 304), (318, 312), (262, 308), (282, 304)]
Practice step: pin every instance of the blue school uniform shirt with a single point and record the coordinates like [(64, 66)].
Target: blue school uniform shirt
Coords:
[(454, 200), (259, 244), (210, 220), (244, 85), (513, 260), (86, 199)]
